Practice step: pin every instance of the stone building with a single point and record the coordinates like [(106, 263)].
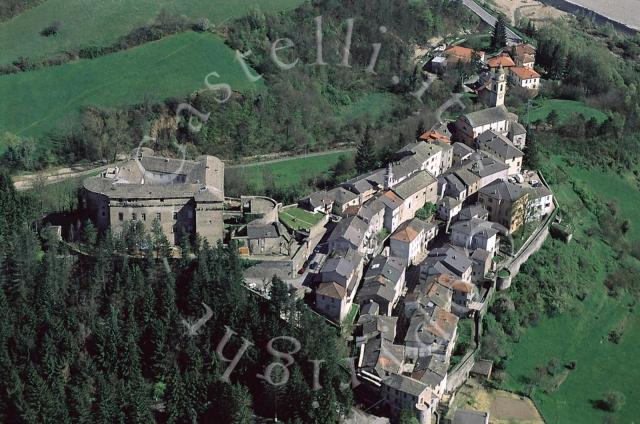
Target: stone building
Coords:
[(186, 196)]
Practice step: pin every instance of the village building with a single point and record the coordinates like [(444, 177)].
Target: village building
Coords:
[(448, 208), (268, 239), (475, 210), (474, 234), (447, 156), (320, 201), (457, 54), (432, 371), (427, 155), (432, 331), (523, 77), (517, 134), (463, 416), (186, 197), (342, 199), (524, 55), (450, 185), (372, 213), (452, 260), (471, 125), (506, 203), (332, 301), (461, 152), (480, 170), (462, 292), (501, 61), (383, 283), (400, 392), (343, 269), (433, 136), (482, 264), (410, 240), (492, 93), (367, 185), (540, 202), (502, 148), (403, 200), (350, 233)]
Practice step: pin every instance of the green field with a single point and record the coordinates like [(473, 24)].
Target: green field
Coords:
[(582, 334), (564, 108), (35, 102), (290, 171), (100, 23), (296, 218)]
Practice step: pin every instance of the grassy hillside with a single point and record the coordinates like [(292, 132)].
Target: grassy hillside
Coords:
[(290, 171), (582, 335), (34, 102), (90, 22), (564, 108)]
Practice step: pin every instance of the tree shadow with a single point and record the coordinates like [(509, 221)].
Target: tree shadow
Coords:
[(599, 404)]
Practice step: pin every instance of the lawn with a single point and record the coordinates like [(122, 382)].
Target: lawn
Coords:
[(565, 108), (35, 102), (582, 334), (290, 171), (100, 23), (296, 218)]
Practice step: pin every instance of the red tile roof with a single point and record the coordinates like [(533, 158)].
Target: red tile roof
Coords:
[(524, 73), (524, 49), (503, 60), (433, 135), (459, 53)]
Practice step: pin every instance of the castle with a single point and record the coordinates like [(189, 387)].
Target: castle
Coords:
[(186, 197)]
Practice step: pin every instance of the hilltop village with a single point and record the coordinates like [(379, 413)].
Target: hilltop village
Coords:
[(415, 249), (405, 255)]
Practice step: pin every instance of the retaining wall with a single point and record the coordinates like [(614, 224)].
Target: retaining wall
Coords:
[(576, 9)]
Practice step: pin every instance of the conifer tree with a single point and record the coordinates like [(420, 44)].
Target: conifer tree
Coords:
[(499, 36), (365, 155)]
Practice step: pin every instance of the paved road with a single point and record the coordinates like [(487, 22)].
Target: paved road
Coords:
[(490, 19), (25, 182), (282, 159)]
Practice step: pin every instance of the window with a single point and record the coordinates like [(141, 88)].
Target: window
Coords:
[(120, 216), (134, 216), (103, 214), (175, 215), (158, 216), (144, 216)]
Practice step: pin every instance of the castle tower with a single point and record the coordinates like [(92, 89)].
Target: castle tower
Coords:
[(498, 88)]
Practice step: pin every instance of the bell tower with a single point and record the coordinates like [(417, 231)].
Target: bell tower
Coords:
[(498, 88)]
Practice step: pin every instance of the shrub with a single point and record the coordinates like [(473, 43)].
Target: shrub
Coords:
[(201, 25), (612, 401), (614, 336), (51, 29)]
